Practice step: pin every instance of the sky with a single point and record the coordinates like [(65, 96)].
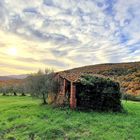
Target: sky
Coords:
[(63, 34)]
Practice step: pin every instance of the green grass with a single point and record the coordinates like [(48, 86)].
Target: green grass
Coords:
[(23, 117)]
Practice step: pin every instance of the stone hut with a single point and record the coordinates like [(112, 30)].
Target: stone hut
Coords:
[(68, 86)]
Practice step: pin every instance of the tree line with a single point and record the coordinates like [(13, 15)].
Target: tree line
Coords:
[(39, 84)]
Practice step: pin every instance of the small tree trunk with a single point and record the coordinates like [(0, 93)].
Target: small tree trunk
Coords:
[(4, 94), (15, 94), (22, 94), (44, 99)]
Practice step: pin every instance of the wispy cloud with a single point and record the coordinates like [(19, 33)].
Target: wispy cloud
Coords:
[(68, 33)]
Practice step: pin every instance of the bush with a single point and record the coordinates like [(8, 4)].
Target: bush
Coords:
[(130, 97), (98, 93)]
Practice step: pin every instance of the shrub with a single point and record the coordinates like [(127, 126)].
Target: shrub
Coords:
[(130, 97), (98, 93)]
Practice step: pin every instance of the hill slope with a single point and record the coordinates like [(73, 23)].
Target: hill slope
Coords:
[(4, 78), (11, 77), (128, 74), (12, 80)]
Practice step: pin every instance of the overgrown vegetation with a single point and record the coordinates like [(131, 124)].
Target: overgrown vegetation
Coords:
[(128, 74), (98, 93), (23, 118)]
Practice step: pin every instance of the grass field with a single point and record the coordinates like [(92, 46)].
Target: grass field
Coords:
[(24, 118)]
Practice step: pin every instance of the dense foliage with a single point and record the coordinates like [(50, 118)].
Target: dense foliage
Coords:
[(98, 93), (129, 78)]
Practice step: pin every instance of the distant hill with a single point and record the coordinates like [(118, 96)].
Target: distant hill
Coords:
[(12, 77), (4, 78), (128, 74), (23, 76)]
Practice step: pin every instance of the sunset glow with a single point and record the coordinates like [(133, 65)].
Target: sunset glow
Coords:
[(12, 51)]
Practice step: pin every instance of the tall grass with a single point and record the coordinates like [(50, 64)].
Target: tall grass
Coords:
[(24, 118)]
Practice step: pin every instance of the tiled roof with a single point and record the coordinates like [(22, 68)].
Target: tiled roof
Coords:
[(74, 76)]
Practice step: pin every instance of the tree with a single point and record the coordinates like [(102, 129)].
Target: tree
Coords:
[(41, 84), (22, 88), (4, 90), (14, 89)]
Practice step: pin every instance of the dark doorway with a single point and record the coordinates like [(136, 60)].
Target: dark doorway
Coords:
[(68, 87)]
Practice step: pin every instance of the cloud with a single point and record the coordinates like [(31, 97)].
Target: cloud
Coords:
[(68, 33), (54, 62)]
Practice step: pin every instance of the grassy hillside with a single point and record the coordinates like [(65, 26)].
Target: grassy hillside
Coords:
[(128, 74), (23, 118)]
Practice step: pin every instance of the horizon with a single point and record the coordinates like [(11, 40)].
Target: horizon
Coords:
[(68, 69), (67, 34)]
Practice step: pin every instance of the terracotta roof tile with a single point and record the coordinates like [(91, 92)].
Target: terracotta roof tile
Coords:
[(74, 76)]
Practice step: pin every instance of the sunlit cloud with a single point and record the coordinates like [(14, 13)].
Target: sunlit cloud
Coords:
[(67, 33)]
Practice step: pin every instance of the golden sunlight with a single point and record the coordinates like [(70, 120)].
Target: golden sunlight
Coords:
[(12, 51)]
